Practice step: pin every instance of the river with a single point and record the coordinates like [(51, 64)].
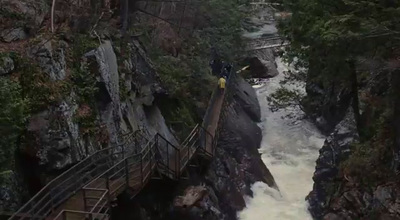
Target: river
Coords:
[(290, 148)]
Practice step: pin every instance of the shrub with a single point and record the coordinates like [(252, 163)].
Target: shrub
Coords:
[(370, 160), (13, 114)]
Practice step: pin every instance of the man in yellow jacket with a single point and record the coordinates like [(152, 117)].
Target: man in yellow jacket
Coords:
[(221, 83)]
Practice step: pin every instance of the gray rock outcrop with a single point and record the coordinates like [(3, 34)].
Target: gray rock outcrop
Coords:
[(6, 65), (59, 140), (50, 56), (20, 18)]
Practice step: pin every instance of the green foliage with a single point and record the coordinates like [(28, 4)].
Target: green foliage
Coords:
[(13, 115), (288, 96), (222, 29), (123, 90), (370, 160), (190, 90), (84, 81), (81, 45), (36, 85), (84, 84), (179, 115), (326, 35), (284, 98)]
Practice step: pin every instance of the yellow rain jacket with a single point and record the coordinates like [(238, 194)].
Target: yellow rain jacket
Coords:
[(221, 83)]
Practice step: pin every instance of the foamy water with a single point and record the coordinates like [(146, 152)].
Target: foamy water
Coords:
[(290, 149)]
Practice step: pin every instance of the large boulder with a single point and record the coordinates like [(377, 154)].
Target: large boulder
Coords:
[(246, 96), (261, 68), (13, 34)]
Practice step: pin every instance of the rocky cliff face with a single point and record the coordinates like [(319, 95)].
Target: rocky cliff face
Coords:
[(88, 89), (92, 96), (354, 177), (55, 139), (217, 190), (336, 149)]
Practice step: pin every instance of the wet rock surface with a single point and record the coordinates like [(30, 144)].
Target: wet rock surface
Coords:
[(261, 66), (336, 149)]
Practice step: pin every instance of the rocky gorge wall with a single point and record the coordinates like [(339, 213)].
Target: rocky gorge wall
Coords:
[(86, 90), (353, 178), (55, 138)]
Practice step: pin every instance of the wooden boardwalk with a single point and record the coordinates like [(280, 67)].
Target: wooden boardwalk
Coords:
[(86, 190)]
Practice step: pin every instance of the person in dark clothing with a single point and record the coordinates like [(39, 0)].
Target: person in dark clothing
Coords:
[(216, 63), (226, 70), (216, 66)]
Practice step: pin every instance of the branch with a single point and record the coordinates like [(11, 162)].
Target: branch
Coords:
[(52, 16)]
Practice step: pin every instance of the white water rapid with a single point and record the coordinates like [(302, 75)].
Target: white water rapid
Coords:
[(290, 149)]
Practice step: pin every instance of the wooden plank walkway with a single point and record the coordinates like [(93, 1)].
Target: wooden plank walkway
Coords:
[(215, 115)]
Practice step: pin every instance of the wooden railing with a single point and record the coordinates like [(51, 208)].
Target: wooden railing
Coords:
[(99, 179)]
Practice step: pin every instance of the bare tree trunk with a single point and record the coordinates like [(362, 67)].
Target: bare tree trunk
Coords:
[(124, 15), (52, 16), (354, 90)]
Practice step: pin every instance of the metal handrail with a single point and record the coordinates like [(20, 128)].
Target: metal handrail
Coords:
[(36, 201)]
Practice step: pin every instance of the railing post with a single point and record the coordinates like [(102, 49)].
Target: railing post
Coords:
[(123, 150), (141, 170), (188, 151), (84, 200), (90, 216), (107, 182), (151, 157), (108, 199), (136, 143), (64, 215), (168, 156), (52, 200), (126, 171), (179, 163)]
